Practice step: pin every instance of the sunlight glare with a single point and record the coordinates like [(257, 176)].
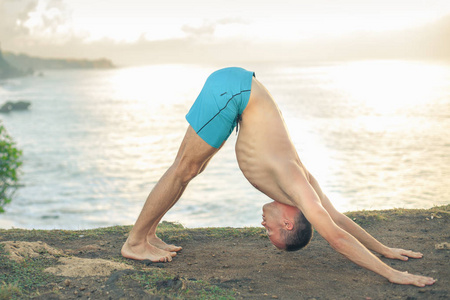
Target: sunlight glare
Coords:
[(386, 86), (155, 84)]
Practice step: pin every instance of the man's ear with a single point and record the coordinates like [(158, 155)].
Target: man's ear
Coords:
[(288, 224)]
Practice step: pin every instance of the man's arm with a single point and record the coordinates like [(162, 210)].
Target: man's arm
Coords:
[(345, 243), (360, 234)]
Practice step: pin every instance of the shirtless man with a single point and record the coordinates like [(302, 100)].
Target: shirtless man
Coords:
[(234, 97)]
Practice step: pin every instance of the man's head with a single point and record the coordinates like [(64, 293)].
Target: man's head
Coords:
[(286, 226)]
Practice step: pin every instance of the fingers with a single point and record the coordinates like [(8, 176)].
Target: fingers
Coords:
[(423, 281), (404, 254), (430, 281), (411, 279), (414, 254), (400, 254)]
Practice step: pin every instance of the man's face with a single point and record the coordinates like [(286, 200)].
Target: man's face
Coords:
[(273, 222), (278, 217)]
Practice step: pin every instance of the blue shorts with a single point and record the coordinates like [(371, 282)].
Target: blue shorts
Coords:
[(222, 100)]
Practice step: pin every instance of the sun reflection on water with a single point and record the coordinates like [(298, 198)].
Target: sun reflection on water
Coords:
[(387, 86), (157, 85), (375, 135), (370, 130)]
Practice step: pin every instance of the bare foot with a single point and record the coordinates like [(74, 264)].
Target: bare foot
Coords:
[(145, 251), (157, 242)]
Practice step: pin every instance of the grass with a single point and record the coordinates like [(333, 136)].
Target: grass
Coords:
[(175, 233), (368, 217), (30, 235), (229, 232), (9, 291), (161, 283), (26, 279), (17, 278), (364, 217)]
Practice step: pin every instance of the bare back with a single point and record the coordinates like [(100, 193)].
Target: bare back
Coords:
[(264, 147)]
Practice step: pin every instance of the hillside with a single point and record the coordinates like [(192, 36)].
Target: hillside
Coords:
[(8, 71), (26, 62)]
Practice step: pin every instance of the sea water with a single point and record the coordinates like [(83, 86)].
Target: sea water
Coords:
[(376, 135)]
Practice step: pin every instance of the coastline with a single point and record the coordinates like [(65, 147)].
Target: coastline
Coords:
[(222, 263)]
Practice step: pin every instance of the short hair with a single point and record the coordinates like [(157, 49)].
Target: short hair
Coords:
[(301, 234)]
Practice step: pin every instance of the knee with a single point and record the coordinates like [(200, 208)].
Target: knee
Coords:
[(186, 171)]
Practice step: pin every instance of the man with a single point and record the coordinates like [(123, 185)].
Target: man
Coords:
[(234, 97)]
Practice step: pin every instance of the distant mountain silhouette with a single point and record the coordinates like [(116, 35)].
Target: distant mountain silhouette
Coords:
[(8, 71), (27, 62)]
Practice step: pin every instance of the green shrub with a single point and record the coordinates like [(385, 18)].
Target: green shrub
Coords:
[(10, 161)]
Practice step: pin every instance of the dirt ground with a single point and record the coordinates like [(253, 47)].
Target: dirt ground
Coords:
[(241, 262)]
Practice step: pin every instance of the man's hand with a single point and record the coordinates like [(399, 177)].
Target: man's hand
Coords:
[(349, 239), (406, 278), (401, 254)]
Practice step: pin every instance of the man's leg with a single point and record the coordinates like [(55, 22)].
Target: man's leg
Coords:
[(192, 157), (151, 235)]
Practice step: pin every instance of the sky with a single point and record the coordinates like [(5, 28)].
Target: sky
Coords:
[(147, 31)]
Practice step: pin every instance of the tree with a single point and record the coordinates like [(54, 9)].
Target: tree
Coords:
[(10, 161)]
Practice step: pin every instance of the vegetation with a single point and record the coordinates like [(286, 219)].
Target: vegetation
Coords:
[(15, 277), (16, 65), (8, 71), (211, 269), (10, 161), (8, 291), (161, 283), (31, 63)]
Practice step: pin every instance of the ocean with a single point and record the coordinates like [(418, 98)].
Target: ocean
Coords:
[(376, 135)]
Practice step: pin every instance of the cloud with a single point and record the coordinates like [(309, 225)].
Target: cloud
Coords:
[(208, 28), (428, 42), (42, 28), (12, 15), (34, 21)]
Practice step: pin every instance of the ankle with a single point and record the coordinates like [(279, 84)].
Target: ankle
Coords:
[(133, 242), (151, 235)]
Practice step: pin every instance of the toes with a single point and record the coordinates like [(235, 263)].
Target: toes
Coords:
[(167, 258), (172, 254), (173, 248)]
